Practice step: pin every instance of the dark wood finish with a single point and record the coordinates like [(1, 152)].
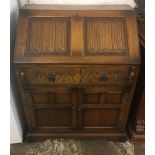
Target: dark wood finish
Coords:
[(114, 31), (77, 67), (136, 123), (57, 30), (75, 74), (76, 37), (32, 137)]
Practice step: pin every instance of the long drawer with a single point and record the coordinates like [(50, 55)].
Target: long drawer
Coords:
[(75, 74)]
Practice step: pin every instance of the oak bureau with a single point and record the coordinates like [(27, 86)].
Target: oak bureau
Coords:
[(76, 68)]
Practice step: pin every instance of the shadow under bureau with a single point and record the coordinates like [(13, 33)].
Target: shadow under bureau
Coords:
[(76, 67)]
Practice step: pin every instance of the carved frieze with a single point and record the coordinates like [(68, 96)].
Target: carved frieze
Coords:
[(75, 75)]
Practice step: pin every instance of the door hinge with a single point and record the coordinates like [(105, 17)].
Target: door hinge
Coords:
[(128, 97)]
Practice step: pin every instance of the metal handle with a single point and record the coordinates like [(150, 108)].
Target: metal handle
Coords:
[(103, 76), (51, 77), (22, 74)]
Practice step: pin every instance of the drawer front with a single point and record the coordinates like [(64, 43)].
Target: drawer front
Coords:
[(63, 74)]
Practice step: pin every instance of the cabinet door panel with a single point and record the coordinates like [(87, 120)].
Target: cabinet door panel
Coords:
[(53, 117), (53, 95), (103, 98), (100, 117), (100, 108), (52, 108)]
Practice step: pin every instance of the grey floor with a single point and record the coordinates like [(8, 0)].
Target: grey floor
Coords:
[(77, 147)]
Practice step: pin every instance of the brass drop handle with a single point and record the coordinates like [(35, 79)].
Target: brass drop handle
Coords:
[(22, 74), (51, 77), (103, 76)]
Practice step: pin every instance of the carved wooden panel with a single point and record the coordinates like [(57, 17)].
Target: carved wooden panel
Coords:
[(105, 36), (48, 36), (28, 102), (74, 74)]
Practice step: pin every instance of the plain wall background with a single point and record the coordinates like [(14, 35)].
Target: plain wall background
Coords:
[(127, 2), (17, 121)]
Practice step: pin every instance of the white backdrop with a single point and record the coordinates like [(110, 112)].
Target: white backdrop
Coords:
[(106, 2), (15, 114)]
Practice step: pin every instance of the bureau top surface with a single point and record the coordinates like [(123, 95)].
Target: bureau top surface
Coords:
[(81, 34)]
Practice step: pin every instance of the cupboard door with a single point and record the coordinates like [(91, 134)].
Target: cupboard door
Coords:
[(102, 108), (52, 108)]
